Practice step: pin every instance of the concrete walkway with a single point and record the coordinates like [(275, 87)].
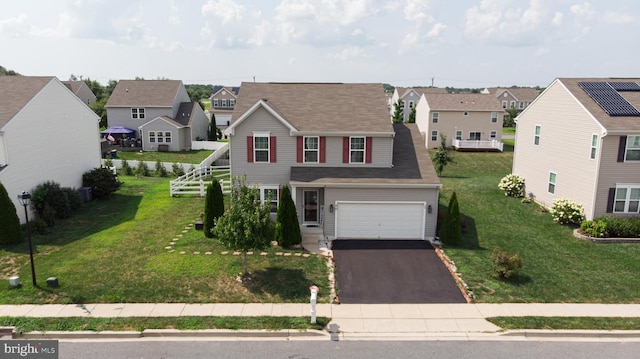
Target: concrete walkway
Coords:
[(345, 318)]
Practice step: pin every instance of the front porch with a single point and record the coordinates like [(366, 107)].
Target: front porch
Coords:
[(477, 145)]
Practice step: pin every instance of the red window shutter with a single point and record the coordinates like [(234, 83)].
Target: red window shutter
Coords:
[(299, 151), (368, 150), (323, 151), (345, 150), (249, 148), (272, 149)]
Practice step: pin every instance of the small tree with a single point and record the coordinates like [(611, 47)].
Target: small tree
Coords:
[(247, 224), (142, 170), (412, 115), (126, 169), (212, 134), (505, 265), (398, 113), (287, 225), (510, 119), (442, 156), (9, 221), (177, 170), (214, 207), (161, 171), (451, 230)]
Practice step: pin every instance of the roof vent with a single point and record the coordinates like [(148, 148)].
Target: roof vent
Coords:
[(126, 90), (264, 99)]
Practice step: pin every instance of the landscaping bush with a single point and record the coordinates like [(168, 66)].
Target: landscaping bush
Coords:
[(597, 228), (102, 182), (622, 227), (160, 170), (108, 162), (75, 199), (142, 170), (38, 226), (9, 222), (565, 211), (214, 207), (126, 169), (451, 230), (505, 265), (51, 202), (287, 226), (512, 185), (177, 170)]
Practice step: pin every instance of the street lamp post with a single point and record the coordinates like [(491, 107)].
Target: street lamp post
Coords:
[(24, 198)]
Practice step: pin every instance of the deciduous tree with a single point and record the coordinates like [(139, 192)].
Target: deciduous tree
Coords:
[(398, 113), (442, 157)]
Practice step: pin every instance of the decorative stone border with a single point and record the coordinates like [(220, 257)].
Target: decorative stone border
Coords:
[(578, 235), (451, 266)]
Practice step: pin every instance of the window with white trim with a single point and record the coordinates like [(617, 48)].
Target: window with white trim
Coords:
[(536, 136), (269, 195), (434, 135), (475, 136), (261, 148), (223, 102), (152, 136), (521, 105), (434, 117), (215, 102), (512, 104), (311, 149), (627, 199), (504, 104), (356, 149), (632, 151), (494, 117), (458, 135), (167, 137), (137, 113), (594, 146), (493, 135), (552, 182), (232, 102)]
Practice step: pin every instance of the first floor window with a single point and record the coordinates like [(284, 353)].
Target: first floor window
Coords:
[(632, 152), (552, 182), (493, 135), (627, 199), (434, 135), (458, 135), (167, 137), (311, 149), (137, 113), (261, 148), (475, 136), (357, 149), (269, 195), (152, 136)]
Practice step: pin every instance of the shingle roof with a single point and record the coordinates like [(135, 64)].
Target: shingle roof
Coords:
[(611, 123), (520, 93), (463, 102), (184, 113), (16, 92), (411, 165), (331, 107), (402, 91), (217, 88), (74, 86), (144, 93)]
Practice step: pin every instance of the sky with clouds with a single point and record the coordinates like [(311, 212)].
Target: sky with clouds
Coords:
[(461, 43)]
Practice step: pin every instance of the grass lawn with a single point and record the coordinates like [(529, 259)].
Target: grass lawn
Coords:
[(508, 130), (194, 156), (556, 266), (566, 323), (114, 251)]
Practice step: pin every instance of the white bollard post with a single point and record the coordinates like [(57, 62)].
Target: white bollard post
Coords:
[(314, 294)]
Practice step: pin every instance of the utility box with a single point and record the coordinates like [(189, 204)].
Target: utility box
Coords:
[(86, 194)]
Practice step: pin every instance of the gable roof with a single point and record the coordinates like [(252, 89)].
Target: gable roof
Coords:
[(233, 91), (16, 92), (463, 102), (520, 93), (144, 93), (320, 107), (74, 86), (611, 123)]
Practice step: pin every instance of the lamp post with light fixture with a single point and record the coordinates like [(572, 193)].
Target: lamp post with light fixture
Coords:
[(24, 198)]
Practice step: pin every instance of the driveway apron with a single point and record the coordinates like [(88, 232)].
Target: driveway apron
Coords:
[(392, 271)]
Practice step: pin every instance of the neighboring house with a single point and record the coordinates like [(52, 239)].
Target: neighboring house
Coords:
[(80, 89), (469, 121), (409, 98), (353, 174), (46, 134), (580, 139), (160, 113), (514, 97), (223, 100)]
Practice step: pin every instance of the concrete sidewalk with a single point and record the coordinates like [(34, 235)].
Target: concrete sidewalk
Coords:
[(345, 318)]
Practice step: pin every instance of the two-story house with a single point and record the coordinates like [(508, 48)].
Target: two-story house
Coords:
[(223, 100), (159, 112), (514, 97), (352, 173), (80, 89), (409, 98), (580, 139), (46, 134), (469, 121)]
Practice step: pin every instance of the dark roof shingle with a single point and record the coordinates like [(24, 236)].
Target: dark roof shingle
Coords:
[(144, 93), (16, 92)]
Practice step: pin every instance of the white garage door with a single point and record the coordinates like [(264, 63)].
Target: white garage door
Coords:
[(384, 220)]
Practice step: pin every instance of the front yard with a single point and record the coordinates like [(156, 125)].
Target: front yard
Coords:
[(556, 266), (120, 251)]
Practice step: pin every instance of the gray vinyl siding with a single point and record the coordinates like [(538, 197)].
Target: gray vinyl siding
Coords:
[(176, 143), (331, 195), (565, 144), (612, 172), (121, 116)]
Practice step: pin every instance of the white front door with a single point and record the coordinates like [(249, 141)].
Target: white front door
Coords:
[(310, 211)]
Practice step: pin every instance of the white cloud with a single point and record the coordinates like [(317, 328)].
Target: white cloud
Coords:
[(226, 10), (415, 10), (18, 26), (584, 10), (558, 17), (619, 18), (348, 54), (174, 15), (436, 29), (541, 51)]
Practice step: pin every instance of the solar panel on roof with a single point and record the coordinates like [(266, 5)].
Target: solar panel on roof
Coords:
[(609, 99), (625, 86)]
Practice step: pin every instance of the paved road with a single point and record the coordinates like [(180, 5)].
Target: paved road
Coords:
[(392, 271)]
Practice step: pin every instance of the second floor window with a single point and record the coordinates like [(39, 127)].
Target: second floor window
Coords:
[(434, 117), (232, 102), (215, 102), (357, 149), (594, 146), (261, 148), (311, 149), (494, 117), (521, 105), (536, 136), (632, 152), (137, 113)]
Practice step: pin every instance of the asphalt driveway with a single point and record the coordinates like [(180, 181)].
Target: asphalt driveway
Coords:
[(392, 271)]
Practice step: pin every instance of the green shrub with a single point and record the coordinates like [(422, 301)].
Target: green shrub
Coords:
[(108, 162), (10, 232), (160, 170), (287, 226), (142, 170), (102, 182), (565, 211), (512, 185), (622, 227), (177, 170), (451, 230), (38, 226), (126, 169), (214, 207), (51, 195), (505, 265), (597, 228), (75, 199)]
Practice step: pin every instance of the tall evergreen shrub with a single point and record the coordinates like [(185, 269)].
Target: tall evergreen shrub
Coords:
[(451, 230), (9, 221), (214, 207), (287, 225)]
